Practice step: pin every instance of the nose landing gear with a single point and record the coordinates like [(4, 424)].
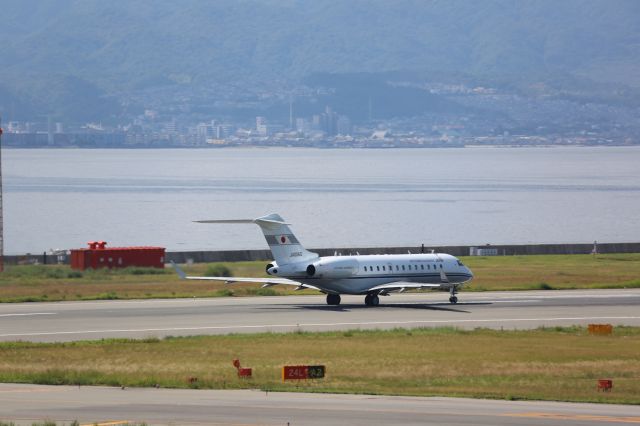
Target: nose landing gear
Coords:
[(453, 291)]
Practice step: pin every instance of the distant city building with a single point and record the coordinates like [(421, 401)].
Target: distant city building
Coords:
[(303, 126), (223, 131), (266, 129), (316, 122), (344, 125), (261, 126), (330, 121), (171, 127), (203, 132)]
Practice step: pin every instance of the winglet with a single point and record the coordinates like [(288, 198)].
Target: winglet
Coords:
[(179, 271)]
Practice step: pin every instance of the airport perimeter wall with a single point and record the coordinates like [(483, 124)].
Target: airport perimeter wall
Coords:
[(250, 255), (503, 250)]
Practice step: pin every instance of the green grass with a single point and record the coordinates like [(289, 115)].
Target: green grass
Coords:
[(54, 283), (545, 364)]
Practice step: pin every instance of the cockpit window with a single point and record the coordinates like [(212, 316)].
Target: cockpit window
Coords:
[(460, 263)]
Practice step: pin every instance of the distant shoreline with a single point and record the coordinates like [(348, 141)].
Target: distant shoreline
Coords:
[(318, 147)]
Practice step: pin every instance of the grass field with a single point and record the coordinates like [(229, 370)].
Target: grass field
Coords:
[(544, 364), (54, 283)]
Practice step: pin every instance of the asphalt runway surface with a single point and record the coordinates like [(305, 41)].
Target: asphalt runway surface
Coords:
[(67, 321), (24, 404)]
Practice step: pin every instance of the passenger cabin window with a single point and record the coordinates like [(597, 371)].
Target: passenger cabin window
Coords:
[(441, 266), (383, 268), (403, 267), (422, 267), (377, 268), (397, 268)]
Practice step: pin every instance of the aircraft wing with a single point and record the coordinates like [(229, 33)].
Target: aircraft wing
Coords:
[(401, 286), (267, 282)]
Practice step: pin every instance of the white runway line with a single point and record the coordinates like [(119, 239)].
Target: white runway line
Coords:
[(268, 326), (28, 314)]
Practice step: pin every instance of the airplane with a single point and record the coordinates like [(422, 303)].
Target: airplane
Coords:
[(369, 275)]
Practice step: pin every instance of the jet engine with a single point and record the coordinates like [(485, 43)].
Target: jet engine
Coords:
[(333, 268)]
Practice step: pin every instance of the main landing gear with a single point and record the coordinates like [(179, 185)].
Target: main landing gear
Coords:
[(371, 299), (453, 291), (333, 299)]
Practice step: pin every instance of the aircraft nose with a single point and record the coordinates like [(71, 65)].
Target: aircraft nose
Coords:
[(469, 272)]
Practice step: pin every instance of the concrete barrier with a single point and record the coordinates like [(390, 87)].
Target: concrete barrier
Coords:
[(503, 250), (251, 255)]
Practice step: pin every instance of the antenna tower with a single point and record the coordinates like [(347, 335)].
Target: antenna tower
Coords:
[(290, 112), (1, 215)]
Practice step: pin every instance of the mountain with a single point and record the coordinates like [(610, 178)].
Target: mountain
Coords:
[(76, 58)]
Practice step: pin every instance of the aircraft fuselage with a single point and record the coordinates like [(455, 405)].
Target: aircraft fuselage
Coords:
[(358, 274)]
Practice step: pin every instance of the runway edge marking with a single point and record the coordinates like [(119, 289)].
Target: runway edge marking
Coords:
[(267, 326), (587, 417)]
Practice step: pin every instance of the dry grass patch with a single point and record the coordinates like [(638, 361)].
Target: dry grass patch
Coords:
[(41, 283), (555, 272), (552, 364)]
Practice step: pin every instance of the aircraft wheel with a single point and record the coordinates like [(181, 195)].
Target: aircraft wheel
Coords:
[(333, 299), (375, 300), (371, 300), (453, 300)]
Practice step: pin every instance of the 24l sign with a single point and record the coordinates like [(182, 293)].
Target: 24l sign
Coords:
[(302, 372)]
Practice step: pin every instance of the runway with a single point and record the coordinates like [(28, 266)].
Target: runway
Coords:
[(24, 404), (67, 321)]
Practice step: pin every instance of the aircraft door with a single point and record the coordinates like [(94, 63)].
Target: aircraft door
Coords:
[(390, 268)]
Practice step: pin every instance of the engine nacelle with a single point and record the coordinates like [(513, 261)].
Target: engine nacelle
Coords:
[(288, 270), (333, 268), (272, 268)]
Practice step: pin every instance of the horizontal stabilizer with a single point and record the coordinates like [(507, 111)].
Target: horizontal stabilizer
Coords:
[(229, 280), (267, 282), (226, 221), (284, 246), (232, 221)]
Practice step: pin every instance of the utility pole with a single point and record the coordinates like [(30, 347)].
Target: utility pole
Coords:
[(1, 215)]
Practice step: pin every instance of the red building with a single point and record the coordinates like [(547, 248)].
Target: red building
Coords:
[(99, 256)]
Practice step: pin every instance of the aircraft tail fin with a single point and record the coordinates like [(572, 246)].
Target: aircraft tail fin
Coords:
[(284, 246)]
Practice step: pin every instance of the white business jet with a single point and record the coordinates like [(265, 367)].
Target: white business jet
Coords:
[(370, 275)]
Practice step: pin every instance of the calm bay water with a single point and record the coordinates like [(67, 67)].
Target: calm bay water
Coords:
[(333, 198)]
